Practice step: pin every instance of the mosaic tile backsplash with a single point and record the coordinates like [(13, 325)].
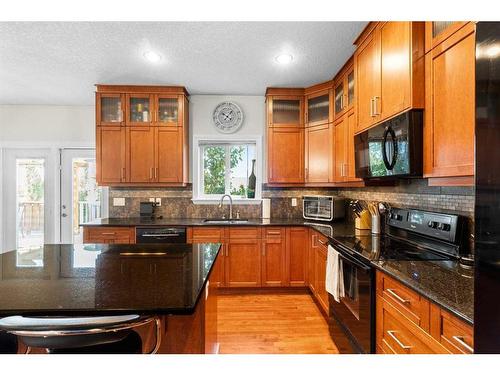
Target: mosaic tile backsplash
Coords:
[(176, 202)]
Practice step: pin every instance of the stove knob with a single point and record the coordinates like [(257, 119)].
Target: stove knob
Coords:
[(446, 227), (432, 224), (440, 226)]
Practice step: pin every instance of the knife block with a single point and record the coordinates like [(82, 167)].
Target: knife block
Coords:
[(364, 222)]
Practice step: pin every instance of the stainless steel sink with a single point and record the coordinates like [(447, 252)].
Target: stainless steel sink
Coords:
[(226, 221)]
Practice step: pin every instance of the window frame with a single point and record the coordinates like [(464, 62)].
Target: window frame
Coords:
[(198, 177)]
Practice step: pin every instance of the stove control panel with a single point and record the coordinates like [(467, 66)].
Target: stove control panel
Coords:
[(433, 224)]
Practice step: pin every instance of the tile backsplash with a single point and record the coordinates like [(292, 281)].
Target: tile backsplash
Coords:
[(176, 202)]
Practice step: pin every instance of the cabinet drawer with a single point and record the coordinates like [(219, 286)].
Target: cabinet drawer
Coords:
[(413, 306), (454, 334), (207, 234), (273, 232), (109, 235), (396, 333), (252, 232)]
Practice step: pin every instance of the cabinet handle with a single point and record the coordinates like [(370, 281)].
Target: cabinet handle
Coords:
[(274, 232), (322, 242), (397, 296), (263, 249), (460, 340), (122, 174), (344, 96), (150, 174), (108, 233), (375, 111), (393, 335), (342, 102), (371, 107)]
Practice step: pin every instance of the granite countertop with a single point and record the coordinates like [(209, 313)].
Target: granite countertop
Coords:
[(446, 283), (106, 279)]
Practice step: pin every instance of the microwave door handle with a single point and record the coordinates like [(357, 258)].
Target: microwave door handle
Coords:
[(389, 165)]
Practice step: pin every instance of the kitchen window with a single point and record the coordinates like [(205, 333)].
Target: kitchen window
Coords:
[(225, 167)]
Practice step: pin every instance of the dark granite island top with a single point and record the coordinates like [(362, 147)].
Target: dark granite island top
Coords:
[(107, 279)]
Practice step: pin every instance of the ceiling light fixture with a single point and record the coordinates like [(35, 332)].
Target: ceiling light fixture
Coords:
[(284, 58), (152, 56)]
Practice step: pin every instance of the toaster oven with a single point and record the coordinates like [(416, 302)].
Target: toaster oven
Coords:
[(322, 207)]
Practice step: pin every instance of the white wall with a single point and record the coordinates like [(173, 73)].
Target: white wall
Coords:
[(201, 108), (47, 125)]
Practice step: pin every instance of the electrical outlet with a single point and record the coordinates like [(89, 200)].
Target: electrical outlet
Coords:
[(119, 202), (152, 200), (294, 202), (158, 202)]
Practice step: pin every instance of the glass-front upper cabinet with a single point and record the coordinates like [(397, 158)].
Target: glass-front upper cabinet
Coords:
[(339, 97), (139, 109), (286, 111), (438, 31), (110, 109), (166, 110), (318, 109), (350, 88)]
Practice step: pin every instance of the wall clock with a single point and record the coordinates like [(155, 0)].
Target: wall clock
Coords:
[(228, 117)]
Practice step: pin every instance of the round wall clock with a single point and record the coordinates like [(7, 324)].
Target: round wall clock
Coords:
[(228, 117)]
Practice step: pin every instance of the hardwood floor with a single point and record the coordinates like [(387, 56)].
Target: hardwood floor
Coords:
[(259, 323)]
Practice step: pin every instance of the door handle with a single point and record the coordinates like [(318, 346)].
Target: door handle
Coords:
[(397, 296), (393, 335), (371, 107)]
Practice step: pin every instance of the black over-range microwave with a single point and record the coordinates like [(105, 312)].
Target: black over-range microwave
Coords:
[(392, 148)]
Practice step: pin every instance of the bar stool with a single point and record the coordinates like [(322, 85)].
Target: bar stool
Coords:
[(92, 335), (8, 343)]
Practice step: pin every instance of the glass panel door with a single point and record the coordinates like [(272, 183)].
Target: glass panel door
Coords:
[(318, 108), (30, 218), (167, 110), (339, 97), (286, 111), (82, 201), (350, 88), (139, 109), (111, 110)]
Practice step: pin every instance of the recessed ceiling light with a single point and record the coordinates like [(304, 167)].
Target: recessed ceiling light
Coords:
[(284, 58), (152, 56)]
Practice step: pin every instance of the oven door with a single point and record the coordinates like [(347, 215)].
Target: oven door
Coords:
[(355, 311)]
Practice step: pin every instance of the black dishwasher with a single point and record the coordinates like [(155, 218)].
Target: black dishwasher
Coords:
[(160, 235)]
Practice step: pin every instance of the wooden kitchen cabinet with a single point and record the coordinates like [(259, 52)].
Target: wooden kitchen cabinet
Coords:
[(318, 257), (351, 161), (274, 257), (297, 244), (140, 165), (319, 162), (110, 109), (450, 110), (345, 166), (243, 263), (408, 323), (110, 155), (389, 70), (319, 104), (285, 136), (149, 146), (438, 31), (285, 155), (109, 235), (343, 90)]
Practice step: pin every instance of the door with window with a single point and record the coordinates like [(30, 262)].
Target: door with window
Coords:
[(82, 200), (28, 204)]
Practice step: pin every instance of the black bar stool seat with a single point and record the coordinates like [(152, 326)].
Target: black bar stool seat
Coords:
[(103, 334)]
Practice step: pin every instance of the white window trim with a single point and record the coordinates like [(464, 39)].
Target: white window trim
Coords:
[(198, 197)]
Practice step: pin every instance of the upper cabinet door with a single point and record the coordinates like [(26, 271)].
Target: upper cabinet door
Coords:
[(318, 108), (110, 155), (168, 154), (109, 109), (350, 88), (139, 109), (140, 154), (285, 111), (450, 106), (367, 65), (395, 68), (166, 110), (285, 153), (438, 31), (319, 154)]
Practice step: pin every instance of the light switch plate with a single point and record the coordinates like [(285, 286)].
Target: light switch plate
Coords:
[(118, 202), (294, 202), (158, 202)]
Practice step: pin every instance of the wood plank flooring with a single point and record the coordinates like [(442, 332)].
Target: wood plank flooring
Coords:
[(272, 324)]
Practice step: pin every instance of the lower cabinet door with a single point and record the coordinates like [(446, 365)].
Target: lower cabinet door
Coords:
[(297, 241), (243, 263), (321, 293), (273, 259)]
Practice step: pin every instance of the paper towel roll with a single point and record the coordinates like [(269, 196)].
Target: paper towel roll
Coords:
[(266, 208)]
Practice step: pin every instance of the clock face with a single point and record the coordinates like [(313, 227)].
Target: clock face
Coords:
[(228, 117)]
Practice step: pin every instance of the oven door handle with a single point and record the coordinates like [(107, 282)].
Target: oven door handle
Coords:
[(352, 260), (159, 235)]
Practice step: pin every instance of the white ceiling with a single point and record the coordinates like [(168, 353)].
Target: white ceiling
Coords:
[(59, 62)]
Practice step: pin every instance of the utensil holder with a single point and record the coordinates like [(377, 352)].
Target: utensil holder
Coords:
[(364, 222), (375, 224)]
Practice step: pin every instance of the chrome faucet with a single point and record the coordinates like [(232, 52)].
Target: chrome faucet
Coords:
[(230, 205)]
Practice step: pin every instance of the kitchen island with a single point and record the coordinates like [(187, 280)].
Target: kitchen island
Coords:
[(171, 281)]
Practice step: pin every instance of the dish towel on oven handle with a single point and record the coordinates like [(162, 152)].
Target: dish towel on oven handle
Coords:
[(334, 281)]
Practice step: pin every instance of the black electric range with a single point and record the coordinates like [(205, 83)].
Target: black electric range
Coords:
[(410, 235)]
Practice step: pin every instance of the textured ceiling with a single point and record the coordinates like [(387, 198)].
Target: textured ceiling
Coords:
[(59, 62)]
